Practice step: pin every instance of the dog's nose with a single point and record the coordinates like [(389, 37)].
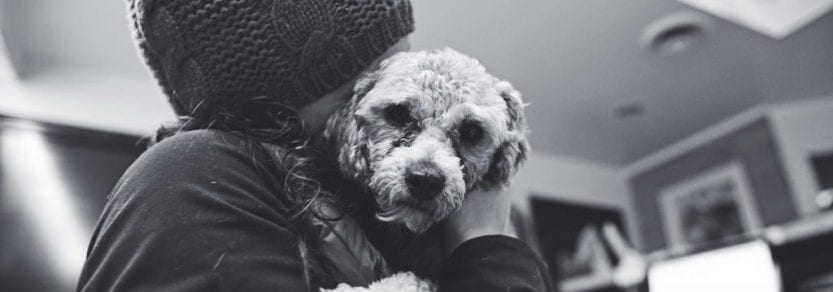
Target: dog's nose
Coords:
[(424, 181)]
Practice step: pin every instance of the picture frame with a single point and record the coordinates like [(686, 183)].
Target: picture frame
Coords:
[(749, 142), (714, 206), (572, 243)]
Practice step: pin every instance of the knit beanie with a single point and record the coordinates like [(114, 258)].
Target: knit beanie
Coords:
[(219, 54)]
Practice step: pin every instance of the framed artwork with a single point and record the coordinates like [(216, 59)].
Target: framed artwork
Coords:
[(712, 207), (572, 244), (746, 155)]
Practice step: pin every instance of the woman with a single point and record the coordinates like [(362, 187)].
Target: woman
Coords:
[(225, 199)]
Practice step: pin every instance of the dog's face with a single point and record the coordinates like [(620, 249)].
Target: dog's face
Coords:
[(426, 128)]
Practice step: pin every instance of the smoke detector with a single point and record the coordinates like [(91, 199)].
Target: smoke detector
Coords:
[(674, 34)]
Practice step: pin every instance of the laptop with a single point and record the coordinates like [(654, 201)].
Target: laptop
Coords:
[(743, 267)]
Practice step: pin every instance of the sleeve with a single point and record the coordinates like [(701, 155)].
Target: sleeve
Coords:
[(192, 214), (495, 263)]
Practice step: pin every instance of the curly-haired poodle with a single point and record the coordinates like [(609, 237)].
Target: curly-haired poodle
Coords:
[(423, 130)]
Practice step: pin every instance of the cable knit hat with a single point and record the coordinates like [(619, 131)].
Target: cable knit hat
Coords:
[(209, 54)]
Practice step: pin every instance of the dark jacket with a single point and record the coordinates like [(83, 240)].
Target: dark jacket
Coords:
[(194, 213)]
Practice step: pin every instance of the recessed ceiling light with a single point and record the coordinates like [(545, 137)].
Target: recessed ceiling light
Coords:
[(629, 109), (674, 34)]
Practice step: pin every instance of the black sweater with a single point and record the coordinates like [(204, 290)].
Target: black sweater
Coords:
[(193, 213)]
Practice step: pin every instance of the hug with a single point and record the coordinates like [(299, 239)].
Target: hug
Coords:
[(312, 152)]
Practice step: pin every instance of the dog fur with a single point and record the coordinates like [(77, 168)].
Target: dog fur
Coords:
[(438, 109), (399, 282), (442, 90)]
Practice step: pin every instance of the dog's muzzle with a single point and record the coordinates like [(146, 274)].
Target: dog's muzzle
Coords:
[(425, 181), (418, 184)]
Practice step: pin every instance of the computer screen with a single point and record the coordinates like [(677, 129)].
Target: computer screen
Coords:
[(743, 267)]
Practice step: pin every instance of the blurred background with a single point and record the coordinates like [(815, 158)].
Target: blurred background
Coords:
[(701, 131)]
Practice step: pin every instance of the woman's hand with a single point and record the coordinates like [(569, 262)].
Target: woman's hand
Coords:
[(483, 213)]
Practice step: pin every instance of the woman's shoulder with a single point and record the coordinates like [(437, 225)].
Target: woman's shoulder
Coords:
[(200, 151), (195, 143), (195, 206), (204, 165)]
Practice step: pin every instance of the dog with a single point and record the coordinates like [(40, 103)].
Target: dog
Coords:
[(421, 132)]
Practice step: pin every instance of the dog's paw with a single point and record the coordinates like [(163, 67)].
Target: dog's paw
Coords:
[(401, 282)]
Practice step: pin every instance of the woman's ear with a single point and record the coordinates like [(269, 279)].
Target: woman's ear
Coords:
[(513, 149)]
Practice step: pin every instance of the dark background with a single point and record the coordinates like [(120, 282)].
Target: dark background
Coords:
[(558, 224), (823, 167), (90, 162)]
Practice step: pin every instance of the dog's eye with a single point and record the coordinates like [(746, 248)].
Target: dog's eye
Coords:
[(398, 115), (470, 132)]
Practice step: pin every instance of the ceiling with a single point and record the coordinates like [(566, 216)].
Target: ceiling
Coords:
[(577, 62)]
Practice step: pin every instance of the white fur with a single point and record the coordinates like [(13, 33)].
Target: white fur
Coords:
[(388, 181), (442, 88), (401, 282)]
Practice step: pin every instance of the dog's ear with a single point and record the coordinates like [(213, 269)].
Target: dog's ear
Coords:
[(514, 106), (364, 84), (346, 136), (513, 149)]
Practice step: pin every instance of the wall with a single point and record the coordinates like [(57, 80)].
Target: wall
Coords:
[(676, 149), (569, 179), (111, 102), (802, 129), (752, 147), (76, 64), (564, 178)]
